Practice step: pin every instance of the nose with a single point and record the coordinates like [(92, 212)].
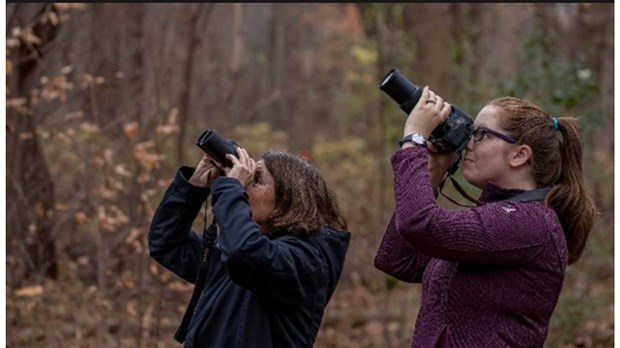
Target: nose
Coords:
[(470, 144)]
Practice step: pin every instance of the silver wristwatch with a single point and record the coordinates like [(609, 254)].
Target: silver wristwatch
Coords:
[(415, 138)]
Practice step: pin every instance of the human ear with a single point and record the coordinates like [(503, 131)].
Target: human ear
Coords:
[(521, 155)]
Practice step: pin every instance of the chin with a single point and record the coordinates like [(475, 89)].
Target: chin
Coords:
[(467, 175), (473, 181)]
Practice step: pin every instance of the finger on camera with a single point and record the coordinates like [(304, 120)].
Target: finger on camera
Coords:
[(445, 110), (431, 148), (435, 151), (241, 151), (232, 158), (425, 95), (244, 155)]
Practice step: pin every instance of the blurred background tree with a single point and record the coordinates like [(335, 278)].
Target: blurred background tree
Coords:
[(104, 102)]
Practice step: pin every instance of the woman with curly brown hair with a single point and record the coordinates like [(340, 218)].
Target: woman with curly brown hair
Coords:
[(268, 265)]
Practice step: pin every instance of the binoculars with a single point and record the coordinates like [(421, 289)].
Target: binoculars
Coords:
[(214, 145)]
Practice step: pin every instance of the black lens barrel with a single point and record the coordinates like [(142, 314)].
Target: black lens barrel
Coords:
[(449, 136), (214, 145), (403, 91)]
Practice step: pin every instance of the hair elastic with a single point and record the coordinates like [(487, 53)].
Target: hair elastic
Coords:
[(555, 123)]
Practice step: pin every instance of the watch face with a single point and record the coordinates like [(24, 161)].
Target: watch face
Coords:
[(418, 139)]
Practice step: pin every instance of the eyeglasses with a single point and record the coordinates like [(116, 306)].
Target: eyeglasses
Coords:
[(481, 132)]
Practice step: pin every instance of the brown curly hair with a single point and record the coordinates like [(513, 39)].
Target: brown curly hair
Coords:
[(304, 203)]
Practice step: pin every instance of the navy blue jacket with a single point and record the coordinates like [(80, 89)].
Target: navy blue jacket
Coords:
[(260, 290)]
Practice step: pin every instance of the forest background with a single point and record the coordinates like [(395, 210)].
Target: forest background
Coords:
[(104, 103)]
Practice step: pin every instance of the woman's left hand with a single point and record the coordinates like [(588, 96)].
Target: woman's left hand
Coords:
[(438, 164), (243, 167), (427, 114)]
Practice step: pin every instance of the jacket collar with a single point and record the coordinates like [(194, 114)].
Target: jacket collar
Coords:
[(493, 193)]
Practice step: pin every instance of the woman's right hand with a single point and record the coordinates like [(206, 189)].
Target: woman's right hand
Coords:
[(243, 167), (427, 114), (205, 173)]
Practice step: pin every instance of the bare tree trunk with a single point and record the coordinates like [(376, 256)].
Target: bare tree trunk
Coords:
[(203, 10), (374, 17), (137, 13), (276, 68), (591, 25), (30, 190), (433, 62), (591, 28), (101, 295), (235, 64)]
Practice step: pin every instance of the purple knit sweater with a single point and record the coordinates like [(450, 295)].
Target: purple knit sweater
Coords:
[(491, 275)]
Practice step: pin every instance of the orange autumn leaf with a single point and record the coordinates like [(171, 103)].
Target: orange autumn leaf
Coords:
[(29, 291)]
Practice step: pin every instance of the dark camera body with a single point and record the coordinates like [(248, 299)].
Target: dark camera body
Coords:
[(451, 135), (214, 145)]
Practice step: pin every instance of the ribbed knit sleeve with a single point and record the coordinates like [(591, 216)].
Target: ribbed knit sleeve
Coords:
[(495, 233), (399, 259)]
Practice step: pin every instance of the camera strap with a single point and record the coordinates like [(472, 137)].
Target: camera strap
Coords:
[(527, 196), (208, 238), (451, 170), (460, 189)]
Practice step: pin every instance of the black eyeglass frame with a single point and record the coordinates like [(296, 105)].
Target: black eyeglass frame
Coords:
[(480, 132)]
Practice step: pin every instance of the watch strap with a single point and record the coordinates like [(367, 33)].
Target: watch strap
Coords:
[(415, 138)]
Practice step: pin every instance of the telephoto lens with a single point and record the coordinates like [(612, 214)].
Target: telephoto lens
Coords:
[(451, 135), (403, 91), (214, 145)]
